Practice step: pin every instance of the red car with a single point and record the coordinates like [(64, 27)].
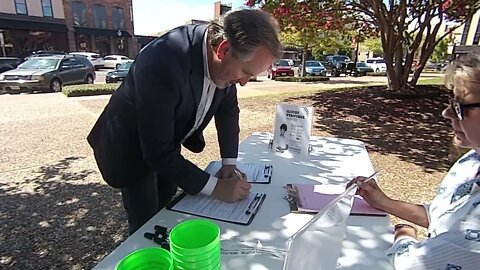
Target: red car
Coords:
[(280, 68)]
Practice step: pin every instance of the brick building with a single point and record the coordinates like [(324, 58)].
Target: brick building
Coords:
[(102, 26), (30, 25)]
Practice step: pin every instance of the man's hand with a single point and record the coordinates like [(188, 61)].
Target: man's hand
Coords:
[(228, 171), (231, 189)]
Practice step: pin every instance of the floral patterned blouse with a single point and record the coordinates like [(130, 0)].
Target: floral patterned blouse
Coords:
[(454, 228)]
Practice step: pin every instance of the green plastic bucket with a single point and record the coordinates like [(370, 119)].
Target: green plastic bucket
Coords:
[(147, 259), (192, 263), (209, 267), (210, 255), (194, 237)]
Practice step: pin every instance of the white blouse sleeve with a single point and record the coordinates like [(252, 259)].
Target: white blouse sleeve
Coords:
[(457, 249)]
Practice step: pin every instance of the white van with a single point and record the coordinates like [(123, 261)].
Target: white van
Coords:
[(94, 58), (377, 64)]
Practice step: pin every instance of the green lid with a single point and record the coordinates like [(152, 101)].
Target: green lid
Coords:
[(147, 259), (195, 236)]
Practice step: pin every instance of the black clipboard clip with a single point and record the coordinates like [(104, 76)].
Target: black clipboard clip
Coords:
[(255, 204), (267, 172)]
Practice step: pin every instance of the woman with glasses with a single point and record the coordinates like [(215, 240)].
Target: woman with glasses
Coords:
[(453, 217)]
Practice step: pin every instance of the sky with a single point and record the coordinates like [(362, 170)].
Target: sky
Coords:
[(153, 16)]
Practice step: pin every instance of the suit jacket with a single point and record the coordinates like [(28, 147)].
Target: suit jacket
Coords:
[(147, 117)]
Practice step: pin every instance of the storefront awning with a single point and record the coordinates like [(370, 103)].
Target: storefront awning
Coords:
[(32, 25), (101, 32)]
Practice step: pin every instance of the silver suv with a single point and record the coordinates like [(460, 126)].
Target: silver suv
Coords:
[(47, 73)]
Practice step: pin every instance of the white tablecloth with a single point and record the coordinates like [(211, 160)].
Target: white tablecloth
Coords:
[(332, 161)]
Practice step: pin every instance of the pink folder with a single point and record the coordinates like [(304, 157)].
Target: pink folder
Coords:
[(310, 198)]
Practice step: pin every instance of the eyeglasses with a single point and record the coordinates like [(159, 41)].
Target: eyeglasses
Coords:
[(459, 108)]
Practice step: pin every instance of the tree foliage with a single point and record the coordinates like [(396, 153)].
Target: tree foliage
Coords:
[(304, 23), (404, 26), (440, 53), (373, 44)]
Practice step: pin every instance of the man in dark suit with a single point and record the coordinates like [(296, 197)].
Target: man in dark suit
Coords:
[(175, 86)]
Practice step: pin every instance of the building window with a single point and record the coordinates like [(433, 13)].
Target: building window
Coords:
[(100, 16), (47, 8), (118, 18), (21, 7), (79, 11)]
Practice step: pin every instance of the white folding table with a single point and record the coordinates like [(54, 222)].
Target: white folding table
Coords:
[(331, 161)]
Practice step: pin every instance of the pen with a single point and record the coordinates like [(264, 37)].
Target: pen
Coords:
[(252, 203), (239, 174)]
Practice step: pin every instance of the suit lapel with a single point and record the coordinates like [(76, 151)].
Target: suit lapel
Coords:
[(196, 68)]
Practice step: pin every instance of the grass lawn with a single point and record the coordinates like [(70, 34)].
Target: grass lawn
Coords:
[(434, 80)]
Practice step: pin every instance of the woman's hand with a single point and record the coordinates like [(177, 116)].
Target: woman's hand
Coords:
[(370, 192)]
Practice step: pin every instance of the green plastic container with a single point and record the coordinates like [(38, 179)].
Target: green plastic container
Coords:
[(147, 259), (209, 267), (194, 237), (192, 263), (210, 255)]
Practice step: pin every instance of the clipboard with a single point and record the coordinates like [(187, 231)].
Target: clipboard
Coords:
[(208, 207), (257, 173), (359, 207)]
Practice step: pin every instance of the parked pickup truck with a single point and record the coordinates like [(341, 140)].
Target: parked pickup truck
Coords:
[(337, 64)]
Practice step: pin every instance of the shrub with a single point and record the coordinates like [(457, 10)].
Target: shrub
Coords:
[(379, 74), (89, 89), (302, 79)]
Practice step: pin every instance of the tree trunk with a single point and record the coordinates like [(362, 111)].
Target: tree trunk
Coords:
[(301, 73)]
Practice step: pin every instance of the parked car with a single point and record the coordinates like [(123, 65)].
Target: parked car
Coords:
[(94, 58), (377, 64), (280, 68), (336, 64), (42, 53), (118, 74), (361, 69), (8, 63), (313, 68), (48, 73), (113, 61)]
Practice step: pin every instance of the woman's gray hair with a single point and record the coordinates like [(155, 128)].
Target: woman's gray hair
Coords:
[(246, 30), (466, 68)]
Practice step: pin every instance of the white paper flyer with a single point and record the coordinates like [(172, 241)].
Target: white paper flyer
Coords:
[(293, 125)]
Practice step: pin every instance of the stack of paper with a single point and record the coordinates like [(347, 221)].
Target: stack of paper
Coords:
[(313, 198)]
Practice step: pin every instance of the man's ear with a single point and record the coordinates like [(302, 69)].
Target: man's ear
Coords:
[(222, 49)]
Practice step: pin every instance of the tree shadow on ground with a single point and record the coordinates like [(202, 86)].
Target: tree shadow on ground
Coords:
[(342, 80), (410, 128), (64, 222)]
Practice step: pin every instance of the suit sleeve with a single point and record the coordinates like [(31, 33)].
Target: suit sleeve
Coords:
[(156, 97), (226, 122)]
